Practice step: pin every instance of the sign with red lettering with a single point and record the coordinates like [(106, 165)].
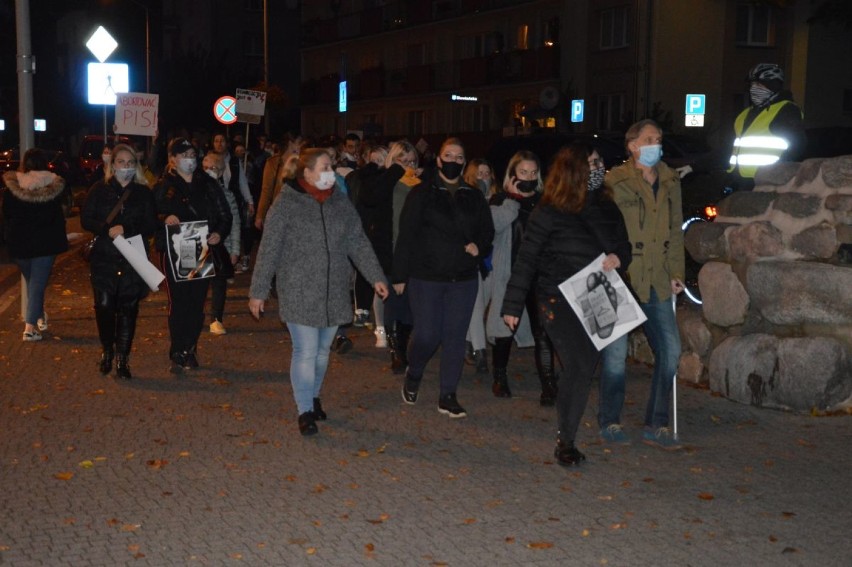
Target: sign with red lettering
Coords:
[(136, 114)]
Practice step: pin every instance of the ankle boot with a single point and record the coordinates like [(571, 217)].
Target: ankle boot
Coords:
[(500, 387), (122, 367), (105, 364), (125, 327), (480, 361)]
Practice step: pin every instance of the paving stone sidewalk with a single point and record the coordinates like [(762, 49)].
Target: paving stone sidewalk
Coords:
[(210, 470)]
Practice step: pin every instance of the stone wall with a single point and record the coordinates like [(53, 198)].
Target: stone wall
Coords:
[(777, 290)]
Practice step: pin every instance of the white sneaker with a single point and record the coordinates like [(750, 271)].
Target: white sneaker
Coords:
[(381, 337), (217, 328), (42, 323)]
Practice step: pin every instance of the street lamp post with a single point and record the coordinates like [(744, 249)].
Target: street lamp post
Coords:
[(147, 45)]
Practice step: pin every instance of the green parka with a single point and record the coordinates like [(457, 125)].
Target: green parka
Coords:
[(653, 226)]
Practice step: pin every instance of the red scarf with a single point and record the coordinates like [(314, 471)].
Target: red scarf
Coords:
[(317, 194)]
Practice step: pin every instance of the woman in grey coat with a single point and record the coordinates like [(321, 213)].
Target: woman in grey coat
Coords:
[(310, 234)]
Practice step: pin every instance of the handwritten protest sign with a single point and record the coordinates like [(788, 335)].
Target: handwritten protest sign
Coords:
[(136, 113)]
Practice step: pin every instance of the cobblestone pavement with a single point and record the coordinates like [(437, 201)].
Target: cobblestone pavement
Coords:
[(210, 470)]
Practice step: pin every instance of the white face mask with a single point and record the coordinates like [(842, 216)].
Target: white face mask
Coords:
[(187, 165), (212, 173), (106, 158), (325, 181), (125, 175)]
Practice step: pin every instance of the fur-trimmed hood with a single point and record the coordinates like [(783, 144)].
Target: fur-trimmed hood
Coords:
[(34, 186)]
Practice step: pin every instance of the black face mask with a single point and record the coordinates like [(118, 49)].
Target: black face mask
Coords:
[(451, 169), (527, 186)]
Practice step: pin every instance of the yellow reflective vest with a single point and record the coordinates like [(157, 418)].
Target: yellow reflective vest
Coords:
[(757, 146)]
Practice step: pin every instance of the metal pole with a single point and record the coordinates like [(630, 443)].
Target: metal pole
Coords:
[(674, 379), (26, 69), (265, 65)]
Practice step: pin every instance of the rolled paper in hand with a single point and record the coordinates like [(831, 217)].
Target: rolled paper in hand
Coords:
[(139, 261)]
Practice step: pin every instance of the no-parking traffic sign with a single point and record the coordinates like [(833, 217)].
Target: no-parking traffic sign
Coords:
[(225, 109)]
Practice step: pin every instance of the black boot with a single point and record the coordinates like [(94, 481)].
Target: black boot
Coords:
[(500, 387), (122, 368), (105, 364), (567, 454), (546, 374), (480, 361)]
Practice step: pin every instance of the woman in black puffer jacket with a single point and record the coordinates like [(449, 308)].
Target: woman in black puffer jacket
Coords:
[(116, 285), (574, 223)]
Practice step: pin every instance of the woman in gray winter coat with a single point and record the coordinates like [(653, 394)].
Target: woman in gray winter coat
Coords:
[(310, 235)]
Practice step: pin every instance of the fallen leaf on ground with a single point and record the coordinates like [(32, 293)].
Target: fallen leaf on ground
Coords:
[(468, 521), (87, 464), (540, 545), (64, 476), (157, 464), (705, 496)]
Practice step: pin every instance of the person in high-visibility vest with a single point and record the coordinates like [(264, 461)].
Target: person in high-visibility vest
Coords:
[(769, 130)]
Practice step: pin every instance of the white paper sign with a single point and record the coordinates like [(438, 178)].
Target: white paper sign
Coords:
[(189, 256), (133, 249), (602, 302), (251, 105), (136, 114)]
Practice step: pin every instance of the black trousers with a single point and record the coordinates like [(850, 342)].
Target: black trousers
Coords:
[(577, 356), (186, 308), (115, 315)]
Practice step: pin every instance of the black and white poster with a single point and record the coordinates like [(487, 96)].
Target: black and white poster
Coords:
[(602, 302), (189, 255)]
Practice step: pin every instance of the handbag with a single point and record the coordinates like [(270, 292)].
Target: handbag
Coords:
[(88, 246)]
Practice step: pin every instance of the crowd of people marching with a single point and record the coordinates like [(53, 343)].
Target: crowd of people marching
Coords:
[(436, 252)]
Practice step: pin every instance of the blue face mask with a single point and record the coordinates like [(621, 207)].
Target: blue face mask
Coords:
[(649, 156)]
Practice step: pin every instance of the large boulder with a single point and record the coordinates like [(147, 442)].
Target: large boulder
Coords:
[(798, 293), (745, 204), (795, 373), (755, 240), (837, 172), (725, 299), (706, 241), (694, 334)]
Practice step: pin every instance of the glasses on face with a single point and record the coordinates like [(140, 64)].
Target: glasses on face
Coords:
[(407, 162)]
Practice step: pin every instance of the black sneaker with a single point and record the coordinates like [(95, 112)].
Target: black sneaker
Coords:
[(191, 360), (410, 388), (341, 345), (567, 454), (177, 362), (449, 405), (319, 414), (308, 424)]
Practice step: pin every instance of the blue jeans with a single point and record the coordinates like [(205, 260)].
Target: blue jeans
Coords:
[(664, 338), (311, 346), (441, 316), (36, 272)]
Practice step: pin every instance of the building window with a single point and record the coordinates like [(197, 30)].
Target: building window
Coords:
[(614, 28), (610, 111), (522, 41), (416, 122), (754, 25)]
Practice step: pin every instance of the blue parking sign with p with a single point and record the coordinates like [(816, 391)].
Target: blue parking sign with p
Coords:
[(695, 104), (577, 110)]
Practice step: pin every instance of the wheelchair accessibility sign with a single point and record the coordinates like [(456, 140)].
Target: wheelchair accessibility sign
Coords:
[(695, 109)]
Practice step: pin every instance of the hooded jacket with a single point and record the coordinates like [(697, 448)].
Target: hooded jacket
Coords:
[(653, 225), (32, 214)]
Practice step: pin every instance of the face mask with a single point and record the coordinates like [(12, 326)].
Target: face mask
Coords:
[(106, 158), (759, 94), (187, 165), (452, 169), (596, 178), (125, 175), (649, 156), (212, 173), (527, 186), (483, 186), (326, 180)]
